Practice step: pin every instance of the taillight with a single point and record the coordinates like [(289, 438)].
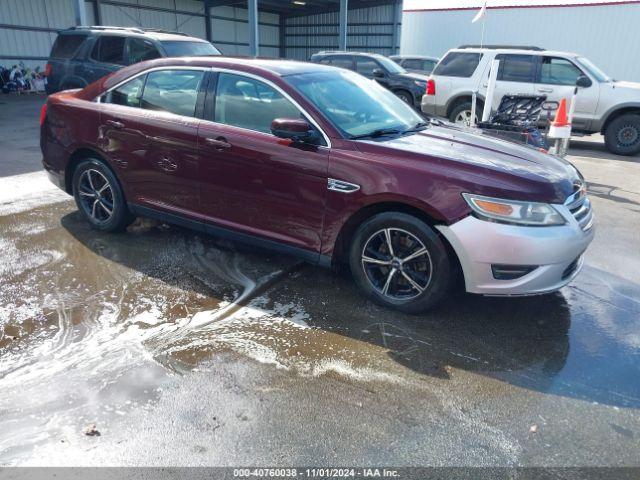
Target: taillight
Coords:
[(43, 114), (431, 87), (47, 70)]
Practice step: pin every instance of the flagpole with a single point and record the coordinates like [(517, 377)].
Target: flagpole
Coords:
[(484, 20)]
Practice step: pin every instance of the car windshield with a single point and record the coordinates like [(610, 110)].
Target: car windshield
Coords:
[(593, 70), (390, 66), (182, 48), (354, 104)]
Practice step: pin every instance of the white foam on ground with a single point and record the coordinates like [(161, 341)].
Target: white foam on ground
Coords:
[(20, 193)]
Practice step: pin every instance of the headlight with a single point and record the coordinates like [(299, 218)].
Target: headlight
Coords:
[(512, 211), (420, 84)]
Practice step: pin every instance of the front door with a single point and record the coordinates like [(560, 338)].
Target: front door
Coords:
[(557, 80), (252, 181)]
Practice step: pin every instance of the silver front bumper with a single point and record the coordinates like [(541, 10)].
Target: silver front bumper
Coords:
[(555, 251)]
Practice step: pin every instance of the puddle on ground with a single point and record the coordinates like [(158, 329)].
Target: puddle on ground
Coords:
[(94, 325)]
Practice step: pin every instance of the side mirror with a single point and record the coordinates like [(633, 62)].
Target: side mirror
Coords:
[(294, 129), (379, 73), (583, 81)]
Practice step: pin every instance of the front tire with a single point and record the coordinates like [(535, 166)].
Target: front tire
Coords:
[(99, 197), (622, 135), (400, 262), (406, 97)]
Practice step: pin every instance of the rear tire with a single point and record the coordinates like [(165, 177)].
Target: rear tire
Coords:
[(411, 276), (99, 197), (622, 135), (461, 114)]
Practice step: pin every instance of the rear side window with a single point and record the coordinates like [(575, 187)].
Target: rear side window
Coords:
[(412, 64), (66, 46), (174, 91), (109, 49), (342, 62), (517, 68), (141, 50), (458, 64), (127, 94)]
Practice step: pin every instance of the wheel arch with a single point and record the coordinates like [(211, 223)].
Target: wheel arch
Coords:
[(78, 156), (405, 90), (343, 240), (618, 112), (461, 98)]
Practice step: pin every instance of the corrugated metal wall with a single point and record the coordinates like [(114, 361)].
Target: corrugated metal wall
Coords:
[(370, 30), (28, 27), (606, 34)]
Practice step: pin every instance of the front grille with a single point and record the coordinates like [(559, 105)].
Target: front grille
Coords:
[(571, 268), (581, 211)]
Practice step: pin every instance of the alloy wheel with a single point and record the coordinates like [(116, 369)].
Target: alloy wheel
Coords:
[(397, 264), (96, 195), (463, 118), (628, 136)]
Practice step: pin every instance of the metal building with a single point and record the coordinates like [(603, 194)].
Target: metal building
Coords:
[(605, 31), (285, 28)]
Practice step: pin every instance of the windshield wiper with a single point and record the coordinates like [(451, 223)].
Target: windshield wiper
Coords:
[(378, 133), (417, 127)]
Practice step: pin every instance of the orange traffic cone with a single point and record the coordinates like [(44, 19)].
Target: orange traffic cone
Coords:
[(560, 127)]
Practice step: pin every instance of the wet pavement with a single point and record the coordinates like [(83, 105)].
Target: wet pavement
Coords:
[(184, 350)]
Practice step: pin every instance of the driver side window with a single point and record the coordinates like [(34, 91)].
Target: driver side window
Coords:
[(558, 71), (248, 103)]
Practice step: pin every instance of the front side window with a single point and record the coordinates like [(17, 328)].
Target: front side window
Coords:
[(354, 104), (558, 71), (366, 66), (516, 68), (247, 103), (109, 49), (458, 64), (127, 94), (174, 91), (141, 50)]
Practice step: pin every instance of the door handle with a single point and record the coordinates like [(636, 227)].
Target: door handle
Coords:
[(115, 124), (545, 90), (219, 143)]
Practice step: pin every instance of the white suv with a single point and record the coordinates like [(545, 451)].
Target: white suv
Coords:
[(603, 104)]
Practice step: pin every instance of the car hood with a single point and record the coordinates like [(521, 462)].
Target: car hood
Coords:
[(415, 76), (486, 165), (627, 85)]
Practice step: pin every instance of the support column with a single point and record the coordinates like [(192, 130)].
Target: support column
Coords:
[(97, 12), (283, 38), (207, 20), (254, 38), (80, 12), (343, 25), (397, 18)]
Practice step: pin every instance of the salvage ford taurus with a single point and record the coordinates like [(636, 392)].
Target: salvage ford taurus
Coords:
[(323, 163)]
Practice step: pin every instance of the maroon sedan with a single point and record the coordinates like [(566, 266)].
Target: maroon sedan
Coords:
[(323, 163)]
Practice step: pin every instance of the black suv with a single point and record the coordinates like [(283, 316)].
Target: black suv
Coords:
[(408, 86), (81, 55)]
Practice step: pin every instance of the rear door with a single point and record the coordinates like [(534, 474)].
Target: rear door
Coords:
[(165, 174), (106, 56), (252, 181), (557, 80), (516, 76)]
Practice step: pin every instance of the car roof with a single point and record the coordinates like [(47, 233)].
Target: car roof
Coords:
[(417, 57), (276, 67), (340, 52), (132, 32), (516, 51)]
